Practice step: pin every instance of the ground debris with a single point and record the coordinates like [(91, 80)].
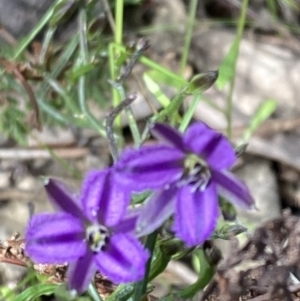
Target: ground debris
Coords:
[(267, 268), (12, 251)]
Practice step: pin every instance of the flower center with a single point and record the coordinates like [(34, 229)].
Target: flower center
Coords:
[(196, 172), (97, 237)]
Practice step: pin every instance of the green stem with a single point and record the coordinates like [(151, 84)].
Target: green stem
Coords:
[(60, 90), (83, 36), (188, 34), (58, 67), (122, 293), (93, 293), (205, 275), (130, 117), (141, 287), (47, 40), (190, 112), (84, 58), (113, 76), (119, 10), (181, 82), (240, 30), (109, 125), (27, 40), (119, 21)]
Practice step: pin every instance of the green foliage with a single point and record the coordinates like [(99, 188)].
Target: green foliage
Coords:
[(16, 129), (206, 271), (36, 291), (227, 68), (263, 112), (122, 293)]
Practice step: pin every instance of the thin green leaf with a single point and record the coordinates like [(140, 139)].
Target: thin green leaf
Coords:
[(154, 88), (171, 111), (28, 39), (36, 291), (94, 293), (163, 75), (160, 262), (63, 11), (227, 68), (122, 293), (264, 111), (82, 70)]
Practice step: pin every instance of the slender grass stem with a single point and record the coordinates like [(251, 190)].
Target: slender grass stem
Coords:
[(27, 40), (190, 112), (130, 117), (45, 46), (188, 35), (84, 58), (58, 67), (93, 293), (119, 21), (110, 121), (113, 54), (240, 30), (60, 90)]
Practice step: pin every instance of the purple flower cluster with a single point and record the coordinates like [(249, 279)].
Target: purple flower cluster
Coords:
[(97, 231), (187, 172)]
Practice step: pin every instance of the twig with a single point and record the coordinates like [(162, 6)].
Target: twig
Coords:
[(140, 47), (11, 40), (11, 193), (10, 67), (110, 121), (27, 154), (7, 36)]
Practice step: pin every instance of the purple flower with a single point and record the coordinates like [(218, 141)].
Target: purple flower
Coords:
[(187, 172), (91, 232)]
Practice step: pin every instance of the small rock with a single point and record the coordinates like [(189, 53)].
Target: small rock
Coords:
[(258, 175)]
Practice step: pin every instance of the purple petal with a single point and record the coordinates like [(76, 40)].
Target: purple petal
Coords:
[(149, 167), (233, 189), (80, 273), (210, 145), (157, 209), (55, 238), (128, 223), (102, 199), (166, 133), (124, 260), (196, 214), (62, 198)]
